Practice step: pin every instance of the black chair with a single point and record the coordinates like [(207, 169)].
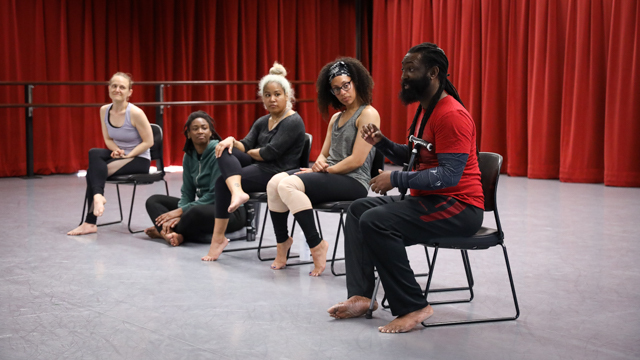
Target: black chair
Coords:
[(340, 207), (138, 179), (484, 238), (254, 206)]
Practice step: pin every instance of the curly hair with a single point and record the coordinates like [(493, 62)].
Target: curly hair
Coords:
[(188, 143), (360, 78)]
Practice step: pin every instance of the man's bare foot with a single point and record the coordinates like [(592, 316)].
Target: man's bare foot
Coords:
[(153, 233), (84, 229), (354, 307), (174, 239), (280, 261), (237, 200), (217, 245), (98, 204), (319, 254), (408, 321)]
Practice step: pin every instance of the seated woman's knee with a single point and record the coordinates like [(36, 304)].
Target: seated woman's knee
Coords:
[(290, 184), (272, 185)]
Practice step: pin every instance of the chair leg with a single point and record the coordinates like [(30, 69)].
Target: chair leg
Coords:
[(513, 293), (133, 198), (369, 313), (119, 207), (335, 246)]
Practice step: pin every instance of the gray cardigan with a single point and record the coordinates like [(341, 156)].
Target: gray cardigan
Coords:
[(281, 147)]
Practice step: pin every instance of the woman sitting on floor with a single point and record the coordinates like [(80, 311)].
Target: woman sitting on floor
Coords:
[(274, 144), (189, 218), (342, 170), (128, 136)]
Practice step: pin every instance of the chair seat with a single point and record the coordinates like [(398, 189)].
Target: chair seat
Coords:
[(333, 206), (258, 196), (483, 239), (138, 178)]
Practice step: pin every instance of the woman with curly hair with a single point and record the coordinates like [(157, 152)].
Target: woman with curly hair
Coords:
[(342, 170)]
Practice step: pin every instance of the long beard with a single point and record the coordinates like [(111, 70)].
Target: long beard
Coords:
[(415, 90)]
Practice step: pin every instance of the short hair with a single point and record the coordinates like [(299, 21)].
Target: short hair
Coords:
[(127, 76), (188, 144), (278, 74), (360, 76)]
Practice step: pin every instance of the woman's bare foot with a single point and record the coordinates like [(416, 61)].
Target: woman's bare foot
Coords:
[(84, 229), (153, 233), (217, 245), (237, 199), (408, 321), (354, 307), (319, 254), (280, 262), (174, 239), (98, 204)]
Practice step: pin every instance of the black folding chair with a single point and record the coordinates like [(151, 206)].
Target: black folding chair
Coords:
[(254, 206), (138, 179), (484, 238), (340, 207)]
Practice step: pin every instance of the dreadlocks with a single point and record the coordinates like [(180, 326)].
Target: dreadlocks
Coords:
[(188, 144), (431, 55)]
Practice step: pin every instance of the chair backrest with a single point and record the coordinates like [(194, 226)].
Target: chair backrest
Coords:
[(490, 164), (378, 163), (306, 151), (156, 149)]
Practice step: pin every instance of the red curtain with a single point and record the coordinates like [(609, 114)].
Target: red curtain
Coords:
[(552, 85), (156, 40)]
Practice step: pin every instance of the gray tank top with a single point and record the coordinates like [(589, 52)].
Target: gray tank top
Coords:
[(342, 140), (125, 136)]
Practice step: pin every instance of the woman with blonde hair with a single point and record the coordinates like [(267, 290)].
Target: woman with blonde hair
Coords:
[(274, 144)]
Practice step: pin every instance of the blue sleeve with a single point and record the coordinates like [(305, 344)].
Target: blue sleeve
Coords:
[(398, 154), (447, 174)]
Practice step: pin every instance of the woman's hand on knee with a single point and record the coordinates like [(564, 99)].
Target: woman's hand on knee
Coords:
[(117, 154), (225, 144)]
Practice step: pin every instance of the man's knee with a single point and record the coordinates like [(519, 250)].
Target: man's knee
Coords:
[(359, 207)]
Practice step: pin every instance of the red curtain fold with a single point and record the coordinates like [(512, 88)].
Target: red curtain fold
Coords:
[(552, 85), (622, 106), (156, 40)]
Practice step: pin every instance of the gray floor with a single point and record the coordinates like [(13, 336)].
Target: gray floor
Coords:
[(113, 295)]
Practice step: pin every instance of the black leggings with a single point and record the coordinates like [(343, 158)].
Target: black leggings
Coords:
[(196, 224), (98, 172), (379, 228), (319, 188), (254, 179)]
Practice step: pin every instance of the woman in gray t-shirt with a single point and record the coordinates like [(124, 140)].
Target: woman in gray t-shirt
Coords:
[(341, 172)]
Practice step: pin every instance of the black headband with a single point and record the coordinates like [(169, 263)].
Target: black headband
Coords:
[(337, 69)]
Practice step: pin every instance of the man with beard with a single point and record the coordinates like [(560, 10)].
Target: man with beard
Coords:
[(446, 195)]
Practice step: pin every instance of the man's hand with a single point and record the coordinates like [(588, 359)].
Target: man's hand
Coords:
[(381, 183), (371, 134)]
